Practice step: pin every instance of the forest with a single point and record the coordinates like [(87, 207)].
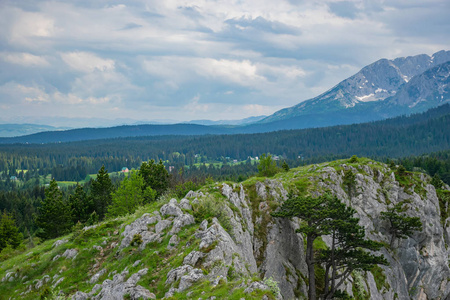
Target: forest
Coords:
[(72, 170)]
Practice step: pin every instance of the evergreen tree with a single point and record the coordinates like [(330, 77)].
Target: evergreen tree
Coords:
[(130, 194), (348, 248), (81, 205), (55, 216), (101, 192), (401, 225), (9, 234), (326, 215), (285, 166), (401, 170), (155, 176), (314, 212), (437, 182), (349, 183)]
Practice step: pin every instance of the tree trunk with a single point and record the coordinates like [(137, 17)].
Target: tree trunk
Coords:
[(310, 264)]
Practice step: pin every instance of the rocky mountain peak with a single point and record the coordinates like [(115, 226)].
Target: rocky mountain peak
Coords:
[(374, 83)]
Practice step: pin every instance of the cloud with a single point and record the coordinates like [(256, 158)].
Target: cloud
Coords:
[(38, 95), (24, 59), (153, 59), (87, 62), (345, 9), (131, 26)]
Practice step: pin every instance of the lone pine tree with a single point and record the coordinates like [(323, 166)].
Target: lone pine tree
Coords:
[(326, 215)]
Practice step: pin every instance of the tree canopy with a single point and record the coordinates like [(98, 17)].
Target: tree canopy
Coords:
[(130, 194), (327, 215), (101, 192), (401, 225), (55, 216), (155, 176)]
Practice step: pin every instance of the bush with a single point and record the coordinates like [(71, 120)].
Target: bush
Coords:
[(182, 189), (137, 240), (267, 166), (353, 159), (208, 208), (273, 285)]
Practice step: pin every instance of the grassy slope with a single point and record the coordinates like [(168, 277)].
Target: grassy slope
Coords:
[(32, 264)]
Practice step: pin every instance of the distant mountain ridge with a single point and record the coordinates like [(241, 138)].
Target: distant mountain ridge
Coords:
[(12, 130), (177, 130), (82, 134), (373, 84), (384, 89)]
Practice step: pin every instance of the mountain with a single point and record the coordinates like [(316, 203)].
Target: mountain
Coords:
[(221, 242), (356, 99), (11, 130), (384, 89), (418, 133), (82, 134), (429, 89), (228, 122)]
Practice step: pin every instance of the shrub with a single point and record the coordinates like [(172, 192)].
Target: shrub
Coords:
[(208, 208), (273, 285), (137, 240), (353, 159)]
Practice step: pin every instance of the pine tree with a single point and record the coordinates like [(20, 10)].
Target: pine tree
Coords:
[(349, 182), (9, 234), (155, 176), (348, 248), (55, 216), (81, 205), (326, 215), (101, 192), (313, 211), (437, 182), (401, 225)]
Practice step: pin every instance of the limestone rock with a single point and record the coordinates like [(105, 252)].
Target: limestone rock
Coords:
[(184, 204), (141, 227), (256, 285), (163, 224), (70, 253), (187, 280), (59, 243), (203, 225), (80, 296), (193, 257), (192, 194), (181, 221), (117, 288), (97, 276), (173, 242), (176, 274), (171, 209)]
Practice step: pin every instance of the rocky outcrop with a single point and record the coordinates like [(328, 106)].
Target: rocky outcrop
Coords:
[(418, 265), (117, 288), (243, 241)]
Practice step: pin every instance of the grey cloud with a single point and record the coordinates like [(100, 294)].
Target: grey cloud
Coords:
[(131, 26), (267, 46), (344, 9)]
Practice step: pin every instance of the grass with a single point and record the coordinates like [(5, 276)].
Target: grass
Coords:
[(36, 262)]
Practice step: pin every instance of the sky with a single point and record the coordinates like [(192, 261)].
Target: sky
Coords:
[(196, 59)]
